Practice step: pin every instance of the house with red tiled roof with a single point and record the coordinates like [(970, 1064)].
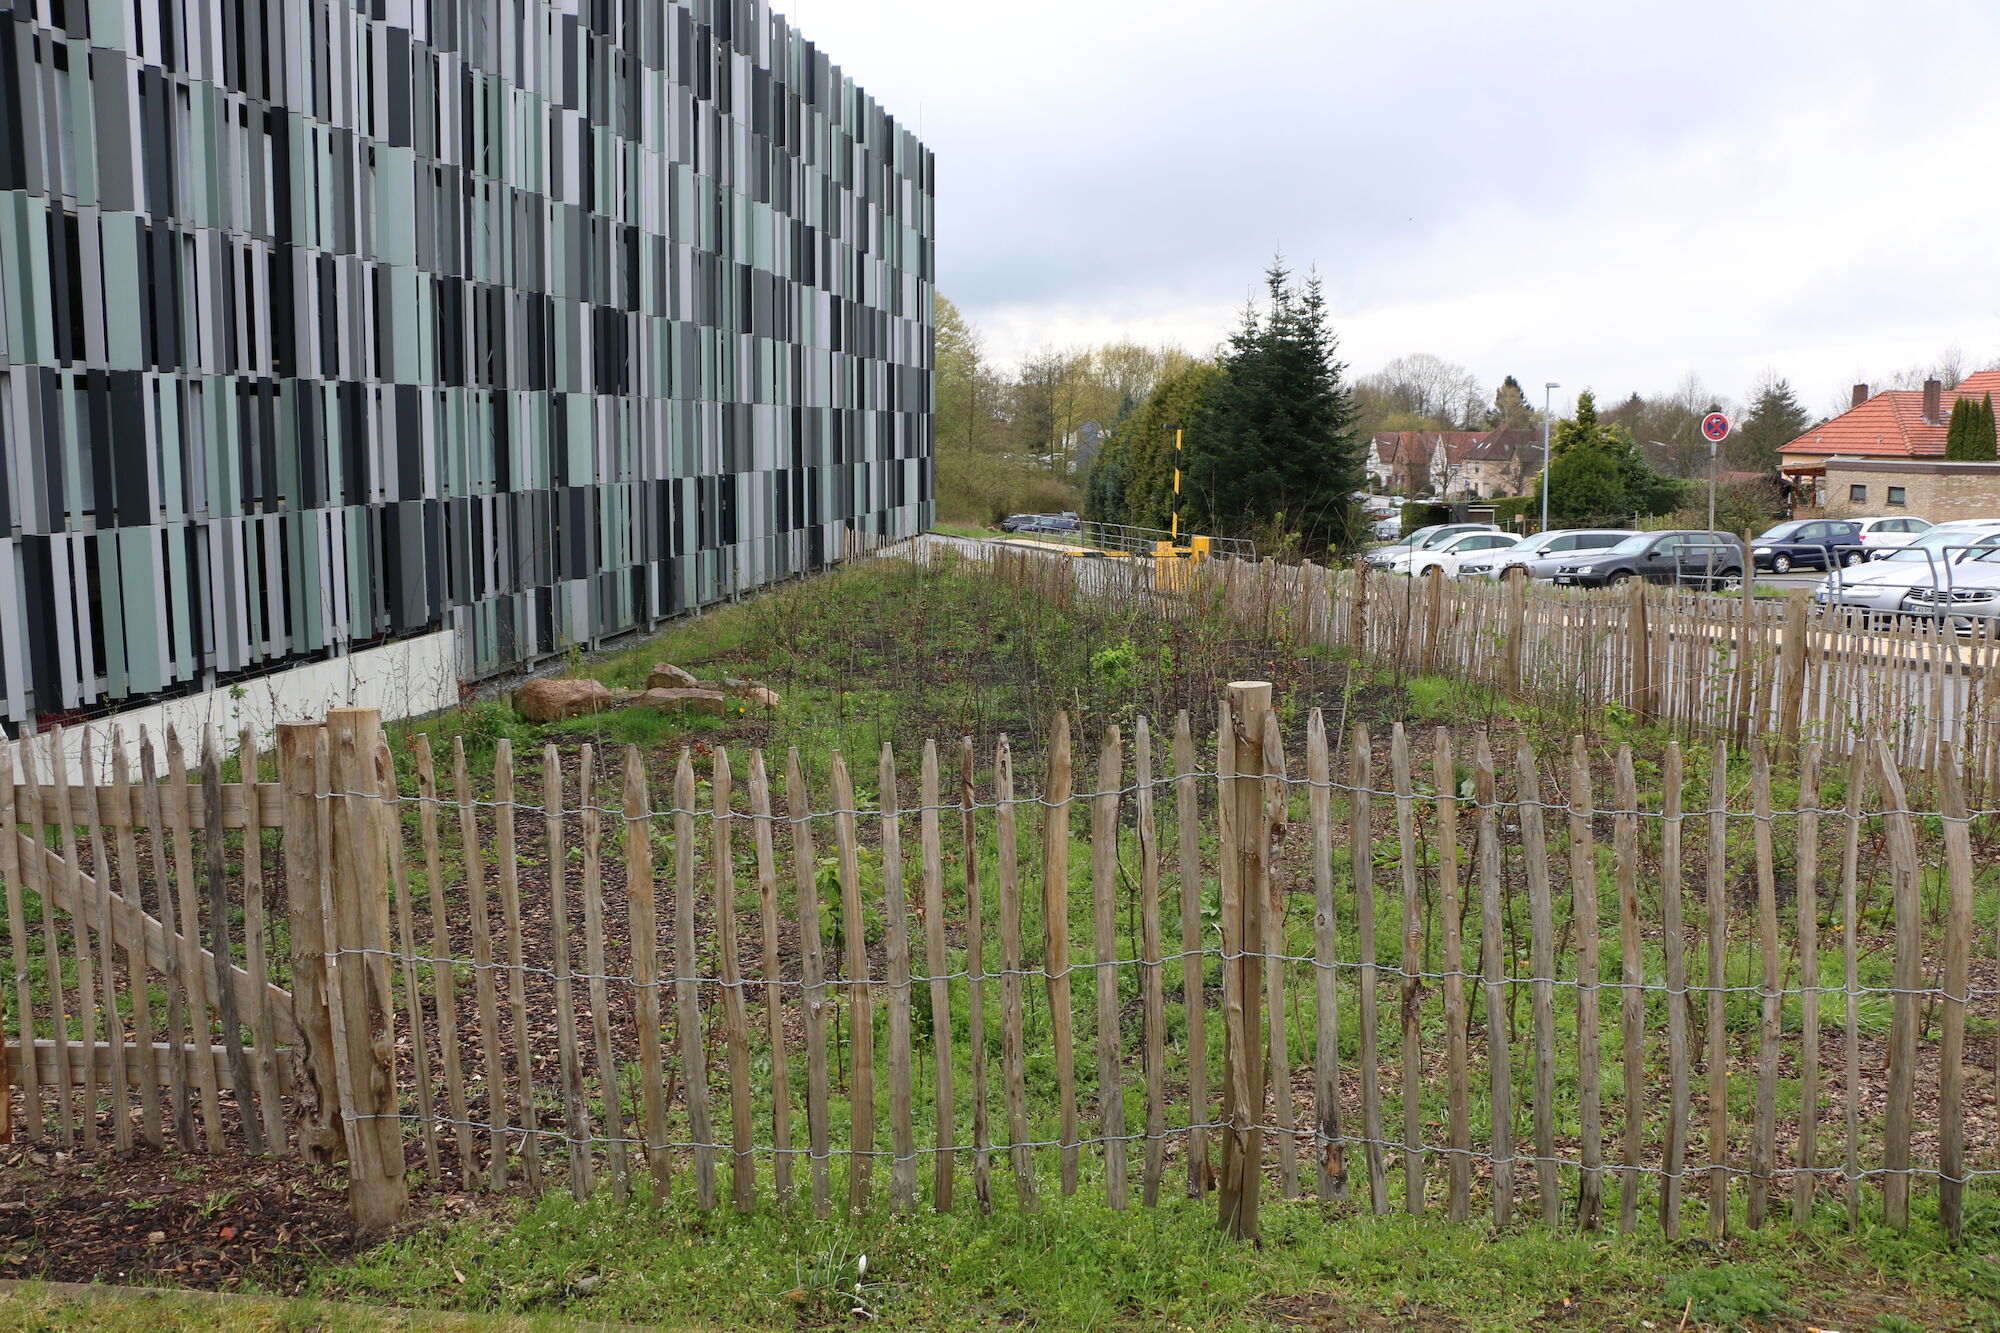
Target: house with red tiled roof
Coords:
[(1886, 455)]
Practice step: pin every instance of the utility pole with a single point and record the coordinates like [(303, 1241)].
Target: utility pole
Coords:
[(1548, 393), (1176, 533)]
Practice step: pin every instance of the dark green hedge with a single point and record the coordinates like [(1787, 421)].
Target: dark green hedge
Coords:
[(1421, 515), (1513, 507)]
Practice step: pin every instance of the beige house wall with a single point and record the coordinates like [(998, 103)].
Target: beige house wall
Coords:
[(1940, 492)]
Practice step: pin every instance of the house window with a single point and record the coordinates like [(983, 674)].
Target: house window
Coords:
[(1898, 496), (1857, 495)]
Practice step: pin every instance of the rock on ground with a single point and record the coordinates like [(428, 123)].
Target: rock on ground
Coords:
[(712, 702), (554, 700), (667, 676)]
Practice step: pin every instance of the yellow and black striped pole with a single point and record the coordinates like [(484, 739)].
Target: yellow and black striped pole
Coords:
[(1176, 535)]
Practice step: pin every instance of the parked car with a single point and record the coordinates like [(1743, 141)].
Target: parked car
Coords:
[(1969, 597), (1959, 525), (1818, 543), (1450, 557), (1423, 539), (1545, 552), (1064, 522), (1881, 535), (1931, 561), (1685, 557)]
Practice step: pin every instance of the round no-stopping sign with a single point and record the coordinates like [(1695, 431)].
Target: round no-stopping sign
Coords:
[(1715, 426)]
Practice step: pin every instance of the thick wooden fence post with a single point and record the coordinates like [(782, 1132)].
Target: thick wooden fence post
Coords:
[(322, 1136), (359, 925), (1246, 890), (1433, 616), (1517, 607), (1357, 622), (1793, 673), (1639, 649)]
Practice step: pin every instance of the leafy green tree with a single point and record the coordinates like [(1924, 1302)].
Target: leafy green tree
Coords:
[(1774, 421), (1272, 441), (1596, 472), (1510, 407), (1586, 484), (1132, 478)]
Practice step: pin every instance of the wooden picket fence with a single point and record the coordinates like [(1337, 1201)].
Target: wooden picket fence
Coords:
[(1713, 667), (1177, 974)]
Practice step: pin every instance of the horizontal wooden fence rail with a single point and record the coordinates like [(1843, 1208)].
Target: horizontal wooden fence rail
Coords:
[(1430, 973), (124, 918)]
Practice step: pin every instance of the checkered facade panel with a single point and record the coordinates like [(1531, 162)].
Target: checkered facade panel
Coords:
[(324, 323)]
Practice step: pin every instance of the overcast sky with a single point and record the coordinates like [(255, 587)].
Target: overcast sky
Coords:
[(1603, 193)]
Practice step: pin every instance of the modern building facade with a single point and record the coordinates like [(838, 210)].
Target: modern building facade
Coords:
[(326, 324)]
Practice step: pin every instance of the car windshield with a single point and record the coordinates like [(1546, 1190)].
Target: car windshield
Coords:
[(1439, 538), (1783, 532), (1632, 545), (1926, 548), (1418, 537)]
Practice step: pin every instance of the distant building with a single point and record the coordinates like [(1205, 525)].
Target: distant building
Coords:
[(1886, 455), (1455, 464), (459, 331)]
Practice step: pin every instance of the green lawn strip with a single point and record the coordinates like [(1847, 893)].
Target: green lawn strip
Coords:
[(1078, 1264)]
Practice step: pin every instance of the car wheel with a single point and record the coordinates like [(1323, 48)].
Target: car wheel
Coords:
[(1781, 563), (1730, 580), (1853, 558), (1618, 580)]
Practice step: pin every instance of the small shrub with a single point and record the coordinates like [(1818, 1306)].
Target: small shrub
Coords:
[(1728, 1297), (1896, 1323), (1114, 667), (1430, 698)]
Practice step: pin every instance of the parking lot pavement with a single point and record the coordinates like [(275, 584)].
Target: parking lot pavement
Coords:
[(1808, 580)]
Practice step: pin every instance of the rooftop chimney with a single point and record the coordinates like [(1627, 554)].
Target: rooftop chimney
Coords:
[(1860, 395), (1934, 402)]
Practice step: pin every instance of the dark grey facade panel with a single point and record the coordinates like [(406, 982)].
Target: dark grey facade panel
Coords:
[(323, 324)]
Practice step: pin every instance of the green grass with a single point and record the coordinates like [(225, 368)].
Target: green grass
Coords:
[(1078, 1264)]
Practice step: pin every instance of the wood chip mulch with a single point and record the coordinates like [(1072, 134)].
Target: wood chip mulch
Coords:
[(218, 1222)]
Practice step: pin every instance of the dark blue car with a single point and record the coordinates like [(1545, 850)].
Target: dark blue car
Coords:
[(1819, 543)]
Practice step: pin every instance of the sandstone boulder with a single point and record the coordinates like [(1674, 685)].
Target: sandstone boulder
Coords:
[(712, 702), (667, 676), (554, 700), (754, 692)]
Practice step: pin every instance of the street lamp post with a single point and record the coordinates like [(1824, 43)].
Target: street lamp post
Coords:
[(1548, 393)]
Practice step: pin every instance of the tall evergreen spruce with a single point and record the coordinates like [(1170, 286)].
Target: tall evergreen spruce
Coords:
[(1958, 432), (1775, 420), (1984, 445), (1272, 447)]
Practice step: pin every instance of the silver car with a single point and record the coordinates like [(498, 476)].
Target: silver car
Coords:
[(1930, 562), (1972, 596), (1543, 552), (1397, 557)]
